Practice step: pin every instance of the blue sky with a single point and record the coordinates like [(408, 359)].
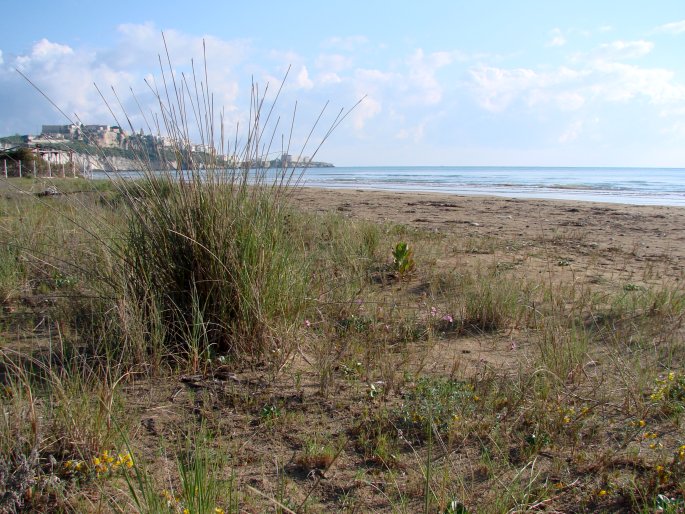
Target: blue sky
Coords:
[(563, 83)]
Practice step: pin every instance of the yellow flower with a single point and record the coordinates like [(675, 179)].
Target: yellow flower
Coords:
[(218, 510), (567, 419), (642, 423), (602, 492), (107, 457), (124, 459)]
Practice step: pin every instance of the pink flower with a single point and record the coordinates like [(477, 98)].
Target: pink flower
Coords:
[(307, 323), (447, 318), (434, 311)]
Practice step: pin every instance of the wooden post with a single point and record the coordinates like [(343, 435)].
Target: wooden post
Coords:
[(49, 168), (4, 161), (19, 169), (63, 175), (73, 164), (34, 169)]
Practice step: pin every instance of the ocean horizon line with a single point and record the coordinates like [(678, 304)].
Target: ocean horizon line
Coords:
[(507, 166)]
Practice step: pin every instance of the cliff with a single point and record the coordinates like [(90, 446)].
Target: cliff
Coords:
[(90, 163)]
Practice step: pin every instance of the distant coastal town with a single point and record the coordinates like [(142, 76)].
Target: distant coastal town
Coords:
[(88, 148)]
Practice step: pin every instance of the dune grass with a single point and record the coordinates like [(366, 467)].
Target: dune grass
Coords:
[(583, 415)]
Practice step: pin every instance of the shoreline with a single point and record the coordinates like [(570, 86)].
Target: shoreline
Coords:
[(482, 195), (554, 195)]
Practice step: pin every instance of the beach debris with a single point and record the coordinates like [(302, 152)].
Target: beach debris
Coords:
[(50, 191)]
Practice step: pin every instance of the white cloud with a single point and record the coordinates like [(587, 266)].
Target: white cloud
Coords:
[(415, 133), (333, 62), (572, 132), (497, 88), (66, 75), (140, 44), (570, 100), (368, 109), (46, 54), (558, 38), (622, 82), (44, 50), (373, 84), (423, 85), (329, 78), (676, 27), (373, 76), (619, 50), (303, 81), (599, 76)]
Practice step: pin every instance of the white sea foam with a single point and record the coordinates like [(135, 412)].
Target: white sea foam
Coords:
[(637, 186)]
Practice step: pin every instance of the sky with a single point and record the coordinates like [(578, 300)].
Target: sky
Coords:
[(444, 83)]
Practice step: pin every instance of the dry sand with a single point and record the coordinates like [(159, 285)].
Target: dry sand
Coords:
[(636, 242), (604, 247)]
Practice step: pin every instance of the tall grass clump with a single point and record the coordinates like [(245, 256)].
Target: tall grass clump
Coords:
[(214, 258), (208, 263)]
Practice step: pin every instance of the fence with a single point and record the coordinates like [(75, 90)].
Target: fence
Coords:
[(37, 168)]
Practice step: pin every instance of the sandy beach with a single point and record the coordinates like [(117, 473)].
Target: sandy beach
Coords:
[(602, 240), (538, 331)]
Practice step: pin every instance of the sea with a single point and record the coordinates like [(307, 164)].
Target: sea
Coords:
[(635, 186)]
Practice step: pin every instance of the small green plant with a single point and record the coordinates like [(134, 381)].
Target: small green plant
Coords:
[(63, 281), (438, 401), (669, 392), (201, 489), (269, 412), (456, 507), (402, 258), (375, 438), (668, 505)]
